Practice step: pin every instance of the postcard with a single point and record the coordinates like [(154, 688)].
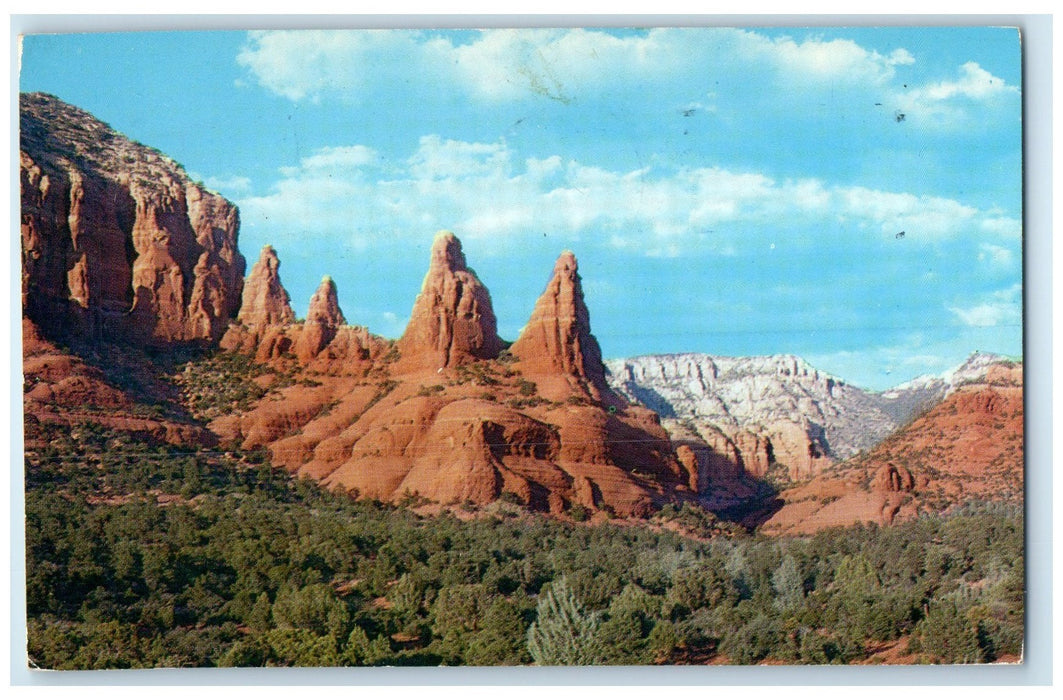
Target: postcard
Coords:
[(523, 347)]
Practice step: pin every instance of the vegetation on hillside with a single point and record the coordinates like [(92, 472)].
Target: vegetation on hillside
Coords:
[(141, 555)]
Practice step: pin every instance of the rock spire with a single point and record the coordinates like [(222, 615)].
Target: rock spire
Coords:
[(265, 301), (557, 339), (452, 321), (322, 320)]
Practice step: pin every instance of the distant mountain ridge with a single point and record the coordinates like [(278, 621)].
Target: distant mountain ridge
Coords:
[(911, 398), (967, 447), (781, 398)]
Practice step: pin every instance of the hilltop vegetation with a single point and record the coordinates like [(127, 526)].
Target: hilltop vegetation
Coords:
[(143, 555)]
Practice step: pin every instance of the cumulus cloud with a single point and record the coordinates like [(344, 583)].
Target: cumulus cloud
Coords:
[(300, 64), (699, 70), (826, 62), (339, 158), (1001, 308), (556, 63), (916, 215), (483, 190), (949, 103), (974, 83)]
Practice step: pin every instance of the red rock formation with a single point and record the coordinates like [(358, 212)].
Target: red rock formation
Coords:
[(323, 320), (452, 321), (117, 241), (755, 451), (969, 446), (803, 456), (890, 477), (557, 341), (425, 426), (265, 313), (688, 459), (719, 459), (265, 302)]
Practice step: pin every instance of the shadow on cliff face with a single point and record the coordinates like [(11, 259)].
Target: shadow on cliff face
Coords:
[(754, 512), (143, 373), (755, 501)]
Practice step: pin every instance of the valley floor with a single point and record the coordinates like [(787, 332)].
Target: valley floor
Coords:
[(148, 555)]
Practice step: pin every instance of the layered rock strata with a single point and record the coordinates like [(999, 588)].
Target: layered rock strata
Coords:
[(439, 418)]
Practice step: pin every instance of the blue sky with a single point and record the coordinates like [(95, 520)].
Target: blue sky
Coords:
[(730, 191)]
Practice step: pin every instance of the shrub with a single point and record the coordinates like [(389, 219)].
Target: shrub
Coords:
[(579, 512)]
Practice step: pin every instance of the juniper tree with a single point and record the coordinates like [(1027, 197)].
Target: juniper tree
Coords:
[(563, 634)]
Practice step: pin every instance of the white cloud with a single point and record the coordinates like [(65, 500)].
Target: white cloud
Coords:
[(974, 83), (573, 65), (481, 191), (829, 63), (340, 158), (437, 158), (1002, 226), (996, 256), (560, 64), (918, 216), (1001, 308), (948, 104), (301, 64), (901, 57)]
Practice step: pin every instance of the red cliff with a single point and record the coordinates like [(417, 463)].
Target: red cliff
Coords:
[(117, 241)]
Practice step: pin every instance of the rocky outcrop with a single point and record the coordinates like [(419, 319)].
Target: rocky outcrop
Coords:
[(267, 329), (439, 423), (754, 452), (799, 447), (117, 241), (891, 478), (323, 321), (452, 321), (265, 301), (262, 327), (967, 447), (688, 460), (557, 341)]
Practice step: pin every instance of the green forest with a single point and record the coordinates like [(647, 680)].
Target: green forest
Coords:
[(147, 555)]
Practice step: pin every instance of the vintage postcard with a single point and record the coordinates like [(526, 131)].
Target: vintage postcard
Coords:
[(523, 347)]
